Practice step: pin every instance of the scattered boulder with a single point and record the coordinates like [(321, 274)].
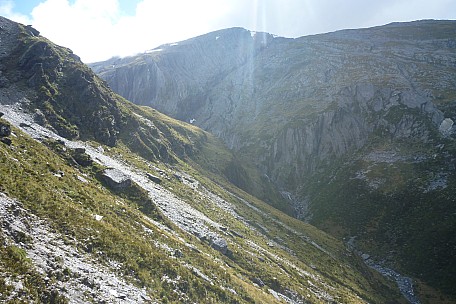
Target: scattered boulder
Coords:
[(154, 178), (82, 179), (7, 141), (39, 117), (237, 234), (162, 172), (97, 217), (220, 245), (81, 157), (116, 179), (445, 126), (5, 129), (189, 180), (26, 125), (1, 114), (258, 281), (59, 174), (178, 253)]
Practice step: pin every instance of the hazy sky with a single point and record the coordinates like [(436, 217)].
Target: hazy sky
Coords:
[(99, 29)]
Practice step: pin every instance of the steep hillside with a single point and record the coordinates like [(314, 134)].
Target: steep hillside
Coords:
[(354, 127), (105, 201)]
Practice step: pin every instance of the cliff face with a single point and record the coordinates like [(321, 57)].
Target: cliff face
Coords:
[(182, 71), (298, 102), (368, 111)]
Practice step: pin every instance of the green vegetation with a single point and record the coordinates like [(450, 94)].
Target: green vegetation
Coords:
[(125, 227), (70, 205), (398, 208)]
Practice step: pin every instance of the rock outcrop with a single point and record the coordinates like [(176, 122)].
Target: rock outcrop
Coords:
[(66, 94), (5, 129), (5, 132), (116, 179)]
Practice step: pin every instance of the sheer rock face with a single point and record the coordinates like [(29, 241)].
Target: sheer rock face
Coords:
[(295, 104)]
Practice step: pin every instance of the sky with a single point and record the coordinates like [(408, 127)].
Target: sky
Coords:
[(97, 30)]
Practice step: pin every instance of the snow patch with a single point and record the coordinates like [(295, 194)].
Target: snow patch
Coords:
[(153, 51)]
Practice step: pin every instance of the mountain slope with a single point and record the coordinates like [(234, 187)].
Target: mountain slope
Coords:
[(345, 124), (289, 83), (105, 201)]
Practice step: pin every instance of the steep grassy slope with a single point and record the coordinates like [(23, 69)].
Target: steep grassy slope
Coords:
[(104, 201), (290, 257), (317, 115)]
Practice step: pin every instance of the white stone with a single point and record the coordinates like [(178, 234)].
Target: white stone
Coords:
[(446, 125), (82, 179), (98, 217)]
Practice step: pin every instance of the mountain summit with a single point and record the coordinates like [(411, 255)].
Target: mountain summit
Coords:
[(354, 128)]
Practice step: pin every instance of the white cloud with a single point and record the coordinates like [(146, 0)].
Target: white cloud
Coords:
[(86, 26), (97, 30), (7, 10), (159, 22)]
